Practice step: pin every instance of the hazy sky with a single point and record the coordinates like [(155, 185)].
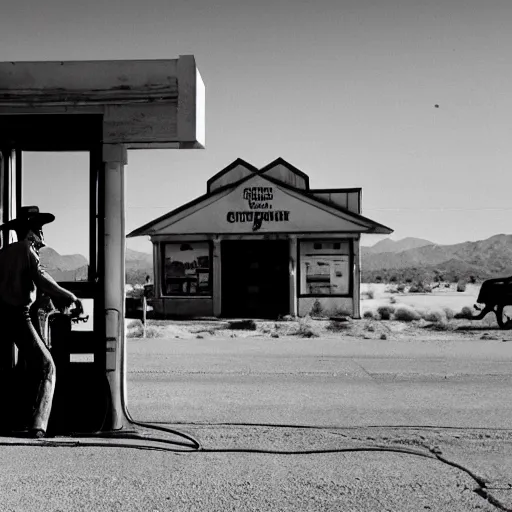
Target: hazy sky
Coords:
[(345, 90)]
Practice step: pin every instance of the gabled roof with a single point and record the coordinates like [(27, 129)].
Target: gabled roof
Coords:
[(372, 226), (289, 166), (229, 168)]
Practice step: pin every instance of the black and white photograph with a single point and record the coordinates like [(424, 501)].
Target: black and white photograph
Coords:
[(256, 256)]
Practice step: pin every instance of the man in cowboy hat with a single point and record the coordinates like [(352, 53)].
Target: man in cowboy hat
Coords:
[(21, 276)]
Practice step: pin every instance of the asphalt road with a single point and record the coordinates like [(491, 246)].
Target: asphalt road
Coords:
[(345, 383), (352, 394)]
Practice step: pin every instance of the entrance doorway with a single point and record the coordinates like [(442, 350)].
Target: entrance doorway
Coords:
[(255, 278)]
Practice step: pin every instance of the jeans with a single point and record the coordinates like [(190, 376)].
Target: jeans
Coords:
[(16, 326)]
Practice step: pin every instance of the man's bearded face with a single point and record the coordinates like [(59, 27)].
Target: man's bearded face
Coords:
[(36, 237)]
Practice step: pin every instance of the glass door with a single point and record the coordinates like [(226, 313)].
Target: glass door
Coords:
[(60, 183)]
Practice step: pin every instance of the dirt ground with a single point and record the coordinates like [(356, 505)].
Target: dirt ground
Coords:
[(445, 296), (433, 312), (314, 328)]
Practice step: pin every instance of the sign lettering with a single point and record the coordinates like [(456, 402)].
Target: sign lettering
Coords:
[(258, 199)]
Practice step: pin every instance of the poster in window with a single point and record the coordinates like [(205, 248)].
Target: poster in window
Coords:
[(325, 275)]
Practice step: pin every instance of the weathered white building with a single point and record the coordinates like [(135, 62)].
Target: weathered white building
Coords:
[(260, 243)]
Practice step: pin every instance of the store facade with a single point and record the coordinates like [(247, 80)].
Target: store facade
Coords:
[(260, 243)]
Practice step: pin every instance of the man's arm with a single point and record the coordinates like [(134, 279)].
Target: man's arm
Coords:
[(47, 284)]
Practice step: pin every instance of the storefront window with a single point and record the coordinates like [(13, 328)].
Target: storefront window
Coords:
[(325, 267), (187, 269)]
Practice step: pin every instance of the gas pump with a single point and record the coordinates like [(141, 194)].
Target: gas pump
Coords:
[(103, 109)]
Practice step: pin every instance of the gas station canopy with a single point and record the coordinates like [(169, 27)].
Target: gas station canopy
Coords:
[(103, 108), (150, 104)]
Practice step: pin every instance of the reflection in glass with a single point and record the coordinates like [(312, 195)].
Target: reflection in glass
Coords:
[(187, 269)]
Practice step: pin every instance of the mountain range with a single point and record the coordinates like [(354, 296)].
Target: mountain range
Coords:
[(71, 267), (388, 245), (417, 259), (387, 260), (74, 267)]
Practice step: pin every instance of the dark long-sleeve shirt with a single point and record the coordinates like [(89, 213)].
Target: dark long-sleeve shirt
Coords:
[(21, 275)]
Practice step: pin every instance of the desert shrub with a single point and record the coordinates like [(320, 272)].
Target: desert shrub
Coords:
[(461, 286), (335, 326), (408, 280), (393, 279), (317, 308), (435, 316), (134, 329), (304, 329), (420, 287), (385, 312), (465, 313), (404, 314), (368, 314), (400, 288), (370, 293), (448, 313), (242, 325), (472, 279), (392, 300)]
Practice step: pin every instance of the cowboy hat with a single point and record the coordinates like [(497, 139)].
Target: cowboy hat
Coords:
[(29, 216)]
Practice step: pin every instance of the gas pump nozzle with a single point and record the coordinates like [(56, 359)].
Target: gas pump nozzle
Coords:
[(77, 313)]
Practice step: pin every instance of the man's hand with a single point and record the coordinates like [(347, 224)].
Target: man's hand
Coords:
[(78, 309)]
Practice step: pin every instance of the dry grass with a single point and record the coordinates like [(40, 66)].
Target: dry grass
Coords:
[(440, 326), (411, 316), (135, 329)]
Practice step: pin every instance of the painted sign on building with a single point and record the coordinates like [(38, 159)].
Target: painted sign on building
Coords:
[(259, 208)]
